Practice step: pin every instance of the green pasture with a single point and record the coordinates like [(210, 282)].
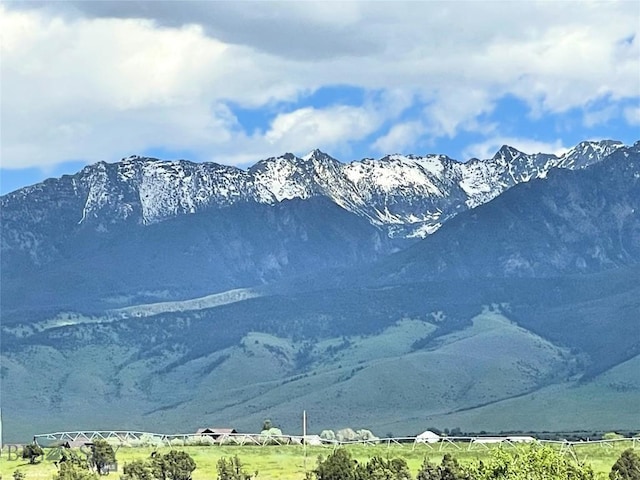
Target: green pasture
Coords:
[(289, 462)]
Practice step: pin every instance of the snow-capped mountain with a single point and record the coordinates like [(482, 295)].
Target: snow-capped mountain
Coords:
[(405, 195), (174, 291), (580, 221)]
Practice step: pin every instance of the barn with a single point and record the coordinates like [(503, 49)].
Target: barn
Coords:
[(217, 434)]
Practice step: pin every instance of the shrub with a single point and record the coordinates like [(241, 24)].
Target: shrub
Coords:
[(73, 471), (231, 469), (148, 440), (32, 452), (136, 470), (428, 471), (340, 466), (200, 440), (266, 436), (337, 466), (627, 466), (378, 468), (346, 435), (366, 435), (175, 465), (102, 455), (328, 435), (532, 462)]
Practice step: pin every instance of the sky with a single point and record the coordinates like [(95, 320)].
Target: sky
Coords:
[(237, 82)]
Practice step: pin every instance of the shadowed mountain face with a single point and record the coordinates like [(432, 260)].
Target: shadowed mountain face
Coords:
[(243, 245), (236, 296), (571, 222)]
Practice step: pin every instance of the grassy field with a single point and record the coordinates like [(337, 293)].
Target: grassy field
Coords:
[(288, 462)]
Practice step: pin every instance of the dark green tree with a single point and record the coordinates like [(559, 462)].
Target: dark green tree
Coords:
[(174, 465), (627, 466), (231, 469), (136, 470), (428, 471), (72, 457), (531, 462), (32, 452), (380, 469), (18, 475), (337, 466), (73, 471), (450, 469), (102, 455)]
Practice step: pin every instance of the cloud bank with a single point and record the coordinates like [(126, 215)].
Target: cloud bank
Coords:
[(100, 80)]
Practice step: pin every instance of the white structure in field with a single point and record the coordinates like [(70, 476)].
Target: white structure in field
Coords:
[(484, 441), (521, 439), (428, 437)]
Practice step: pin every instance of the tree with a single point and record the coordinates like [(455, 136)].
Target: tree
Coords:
[(346, 435), (231, 469), (328, 435), (340, 466), (136, 470), (73, 471), (18, 475), (627, 466), (450, 469), (174, 465), (269, 430), (102, 455), (73, 458), (379, 469), (428, 471), (337, 466), (32, 452), (366, 435), (532, 462)]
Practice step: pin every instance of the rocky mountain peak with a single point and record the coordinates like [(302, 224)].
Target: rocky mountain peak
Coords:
[(404, 195), (507, 154), (588, 152)]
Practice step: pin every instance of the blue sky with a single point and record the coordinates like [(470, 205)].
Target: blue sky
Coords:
[(236, 82)]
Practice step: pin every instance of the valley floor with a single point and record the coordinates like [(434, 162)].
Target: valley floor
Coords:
[(290, 462)]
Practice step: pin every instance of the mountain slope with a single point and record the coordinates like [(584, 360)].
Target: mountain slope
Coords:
[(528, 298), (608, 402), (242, 245), (570, 222), (144, 229), (382, 358)]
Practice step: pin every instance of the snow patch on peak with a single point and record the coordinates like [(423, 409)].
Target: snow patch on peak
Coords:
[(408, 195), (315, 153)]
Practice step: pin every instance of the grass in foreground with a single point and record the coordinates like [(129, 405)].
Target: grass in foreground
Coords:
[(289, 462)]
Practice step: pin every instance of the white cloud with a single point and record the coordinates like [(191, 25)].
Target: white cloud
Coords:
[(456, 109), (488, 148), (598, 117), (632, 115), (309, 127), (100, 80), (399, 137)]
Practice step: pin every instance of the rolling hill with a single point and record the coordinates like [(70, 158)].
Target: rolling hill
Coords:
[(520, 313)]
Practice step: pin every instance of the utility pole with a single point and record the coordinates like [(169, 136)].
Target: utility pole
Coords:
[(304, 438)]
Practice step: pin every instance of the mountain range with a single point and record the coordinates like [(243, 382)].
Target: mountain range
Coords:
[(391, 294)]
